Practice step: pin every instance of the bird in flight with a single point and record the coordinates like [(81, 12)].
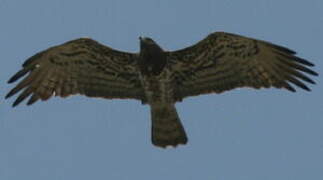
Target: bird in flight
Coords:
[(220, 62)]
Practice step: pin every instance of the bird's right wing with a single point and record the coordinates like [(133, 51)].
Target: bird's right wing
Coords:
[(82, 66)]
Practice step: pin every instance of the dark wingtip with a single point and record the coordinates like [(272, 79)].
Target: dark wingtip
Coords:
[(296, 59), (15, 103), (22, 96), (306, 88), (311, 81), (303, 61), (289, 87), (11, 93), (282, 48), (298, 83), (314, 73), (311, 72), (33, 99), (18, 75)]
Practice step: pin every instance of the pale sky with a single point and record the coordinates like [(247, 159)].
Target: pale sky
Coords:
[(244, 134)]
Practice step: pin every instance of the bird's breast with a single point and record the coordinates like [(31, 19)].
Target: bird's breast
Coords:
[(152, 64), (158, 89)]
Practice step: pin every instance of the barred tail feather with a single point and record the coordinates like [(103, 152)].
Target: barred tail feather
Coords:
[(167, 129)]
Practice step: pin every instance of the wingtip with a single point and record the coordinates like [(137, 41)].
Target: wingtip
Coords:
[(302, 61), (10, 81), (19, 74), (33, 99), (314, 73), (15, 104), (283, 49), (10, 93), (290, 88), (306, 88)]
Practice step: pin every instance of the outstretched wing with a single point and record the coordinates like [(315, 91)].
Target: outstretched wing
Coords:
[(224, 61), (81, 66)]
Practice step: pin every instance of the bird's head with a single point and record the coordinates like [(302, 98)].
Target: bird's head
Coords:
[(147, 43), (152, 58)]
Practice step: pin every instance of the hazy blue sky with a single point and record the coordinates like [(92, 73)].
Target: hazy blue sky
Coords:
[(243, 134)]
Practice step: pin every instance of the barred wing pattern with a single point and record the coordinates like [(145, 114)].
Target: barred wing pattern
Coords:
[(81, 66), (224, 61)]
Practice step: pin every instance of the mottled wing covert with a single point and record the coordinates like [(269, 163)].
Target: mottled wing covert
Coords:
[(224, 61), (81, 66)]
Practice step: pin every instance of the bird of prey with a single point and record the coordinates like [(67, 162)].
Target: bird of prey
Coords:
[(220, 62)]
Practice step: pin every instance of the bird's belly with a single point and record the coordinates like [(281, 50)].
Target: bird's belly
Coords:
[(158, 89)]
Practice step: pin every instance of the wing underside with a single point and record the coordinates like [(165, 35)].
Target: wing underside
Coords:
[(81, 66), (225, 61)]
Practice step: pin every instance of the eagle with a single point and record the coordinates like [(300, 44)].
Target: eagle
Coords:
[(220, 62)]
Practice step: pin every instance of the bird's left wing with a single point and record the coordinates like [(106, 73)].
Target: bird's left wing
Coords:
[(81, 66), (224, 61)]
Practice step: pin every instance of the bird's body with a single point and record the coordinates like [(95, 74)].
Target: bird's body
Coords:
[(158, 84), (220, 62)]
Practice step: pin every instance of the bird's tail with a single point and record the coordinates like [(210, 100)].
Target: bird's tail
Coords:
[(167, 129)]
